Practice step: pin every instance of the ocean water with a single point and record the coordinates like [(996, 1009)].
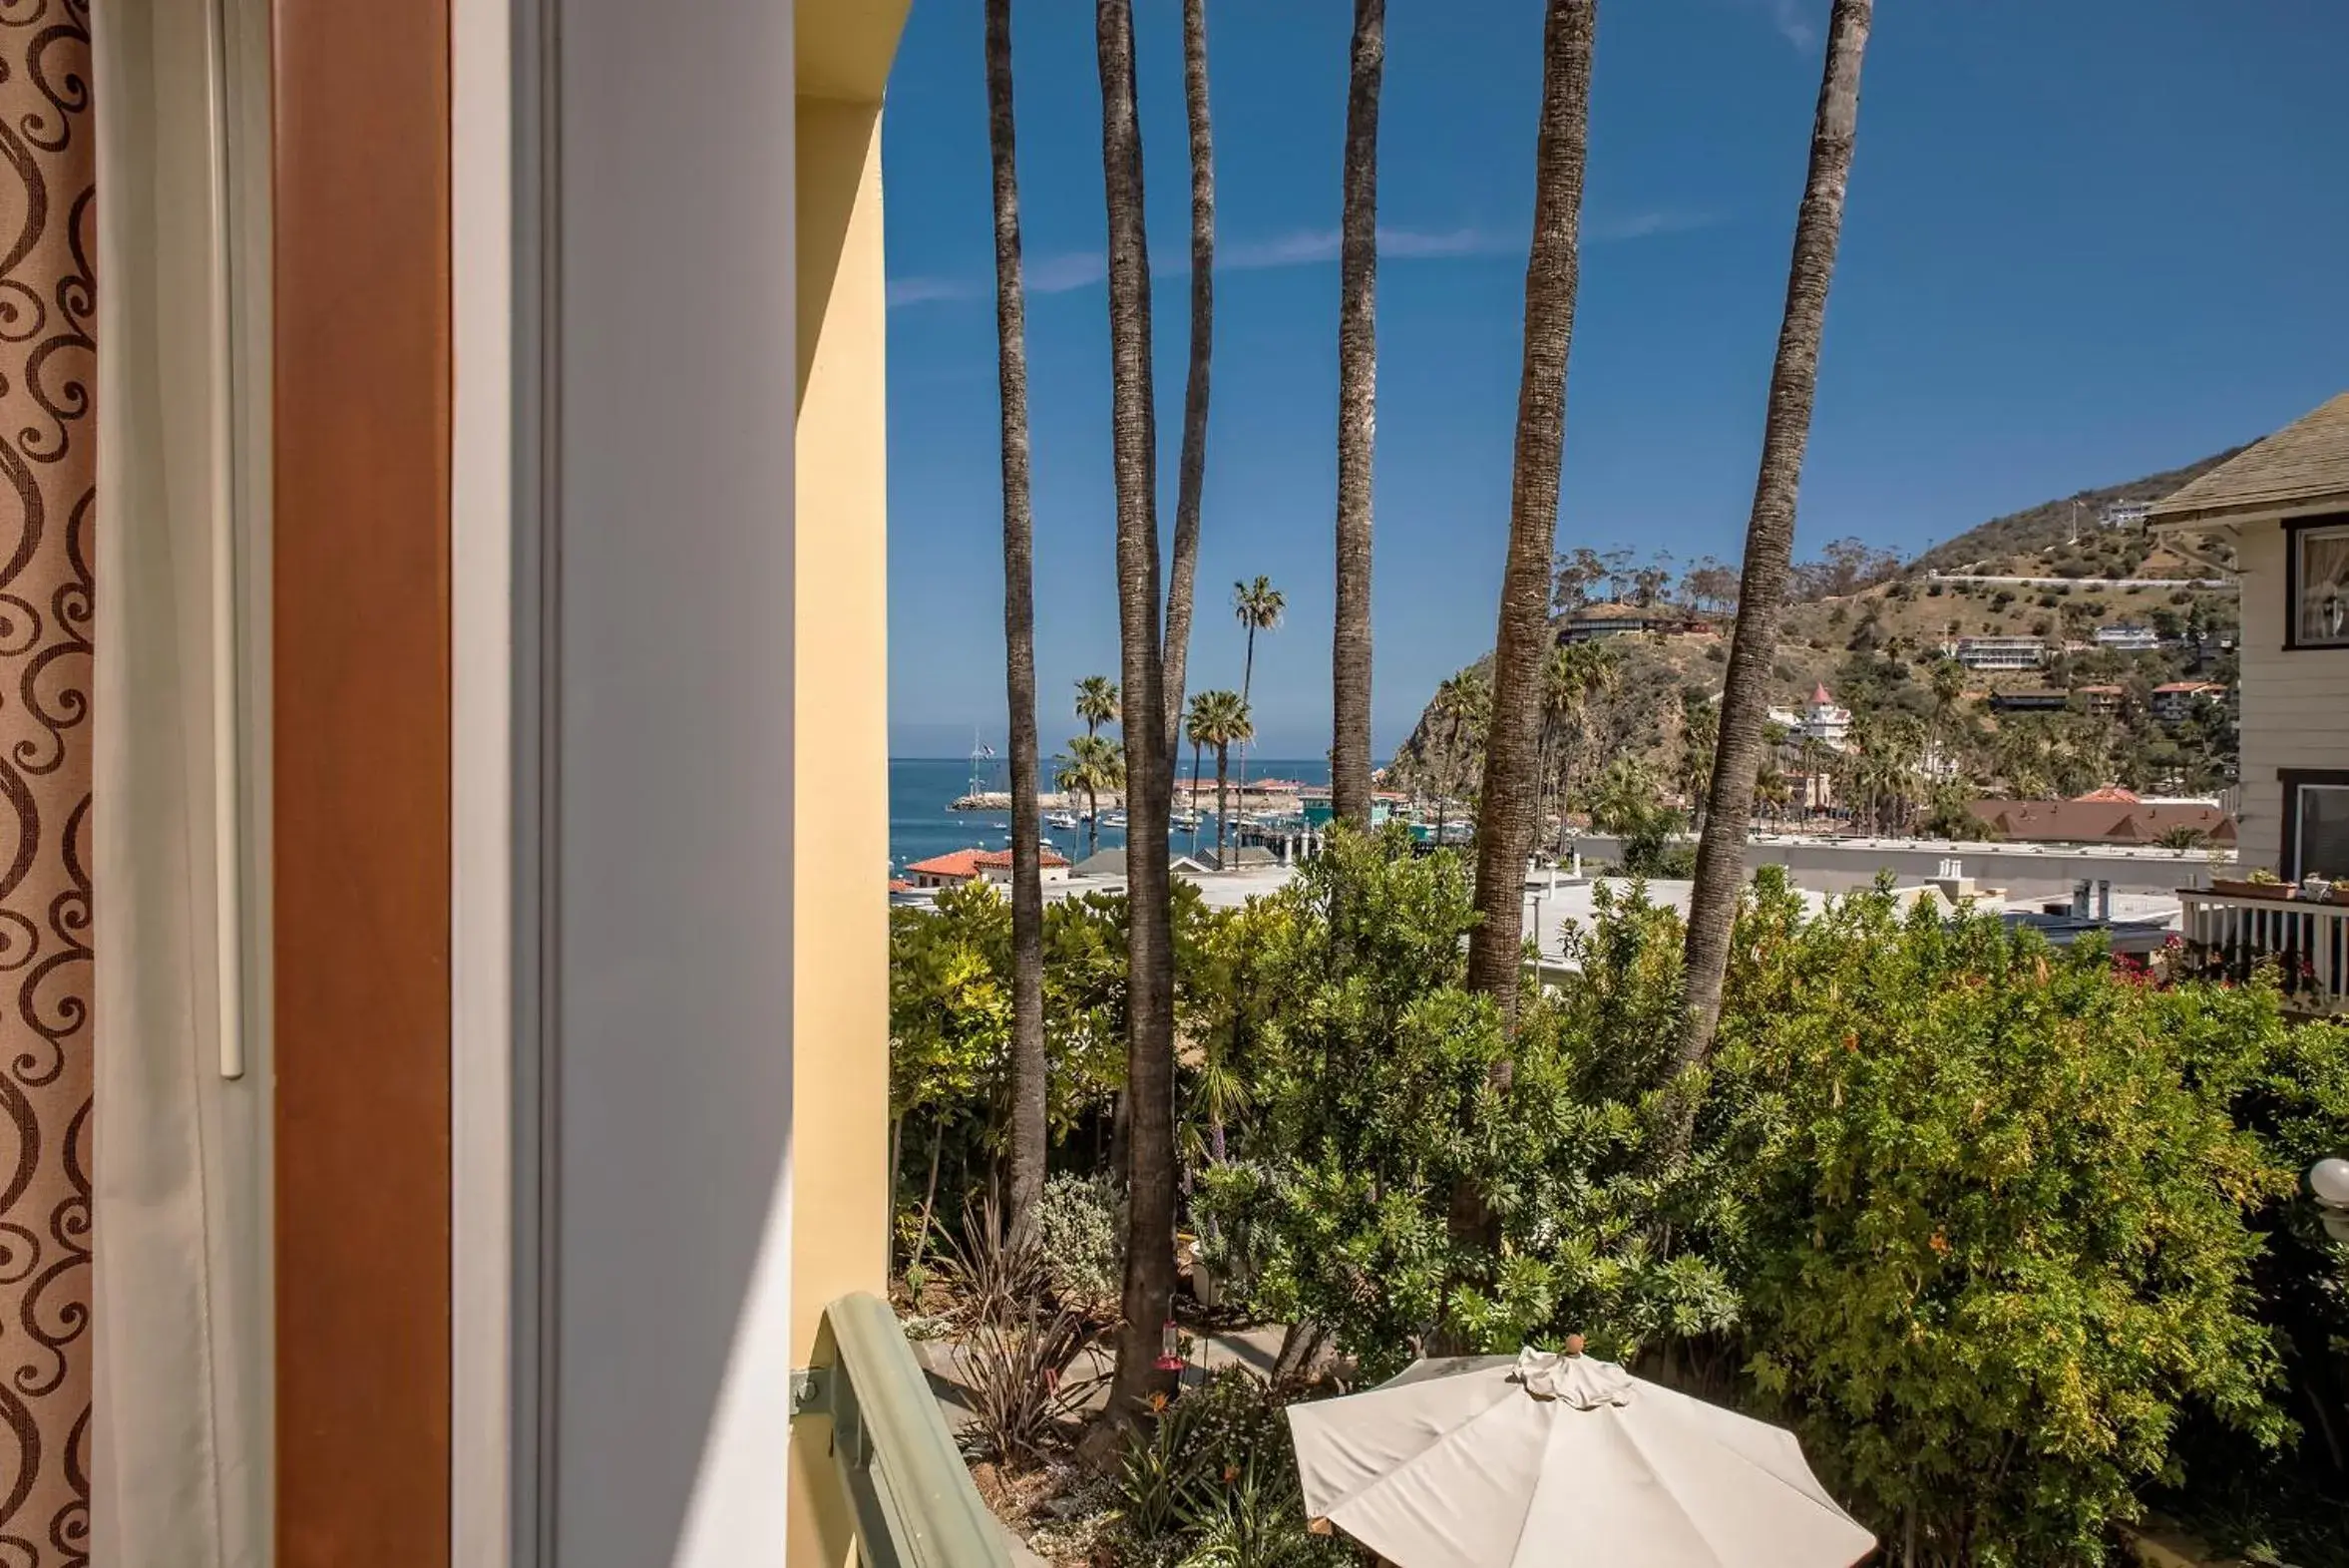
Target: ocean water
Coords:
[(922, 788)]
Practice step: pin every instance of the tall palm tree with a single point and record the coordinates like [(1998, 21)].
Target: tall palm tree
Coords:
[(1770, 544), (1601, 676), (1148, 1296), (1463, 707), (1512, 781), (1096, 702), (1191, 474), (1815, 762), (1220, 720), (1357, 397), (1094, 763), (1030, 1134), (1700, 739), (1561, 702), (1258, 607), (1193, 722)]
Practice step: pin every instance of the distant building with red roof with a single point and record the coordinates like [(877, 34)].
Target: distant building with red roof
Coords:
[(2173, 701), (979, 865)]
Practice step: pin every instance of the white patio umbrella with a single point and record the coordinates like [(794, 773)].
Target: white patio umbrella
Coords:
[(1493, 1462)]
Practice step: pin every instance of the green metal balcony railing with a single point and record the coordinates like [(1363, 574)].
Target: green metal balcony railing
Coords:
[(911, 1497)]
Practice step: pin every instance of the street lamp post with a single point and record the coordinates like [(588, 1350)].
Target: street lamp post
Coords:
[(2328, 1183)]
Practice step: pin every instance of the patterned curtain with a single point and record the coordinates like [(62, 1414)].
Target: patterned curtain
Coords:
[(48, 299)]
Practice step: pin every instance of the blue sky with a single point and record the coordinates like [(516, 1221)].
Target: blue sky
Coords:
[(2085, 240)]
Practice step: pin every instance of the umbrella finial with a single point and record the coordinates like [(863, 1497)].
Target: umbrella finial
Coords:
[(1574, 1344)]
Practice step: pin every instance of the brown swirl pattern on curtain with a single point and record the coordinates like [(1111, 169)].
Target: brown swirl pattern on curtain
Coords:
[(47, 302)]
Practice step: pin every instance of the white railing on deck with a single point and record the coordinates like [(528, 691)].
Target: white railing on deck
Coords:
[(2308, 941)]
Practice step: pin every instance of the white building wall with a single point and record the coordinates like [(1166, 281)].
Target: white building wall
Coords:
[(671, 979), (2295, 704)]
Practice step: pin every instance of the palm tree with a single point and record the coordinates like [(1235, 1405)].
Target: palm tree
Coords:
[(1504, 831), (1700, 737), (1599, 676), (1561, 702), (1770, 543), (1148, 1296), (1096, 702), (1094, 763), (1815, 762), (1463, 707), (1220, 721), (1258, 607), (1358, 399), (1030, 1134), (1198, 739), (1623, 799), (1191, 474), (1770, 780)]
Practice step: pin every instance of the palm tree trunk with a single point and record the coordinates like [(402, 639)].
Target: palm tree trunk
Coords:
[(1247, 680), (1194, 789), (1357, 397), (1769, 541), (1029, 1131), (1504, 831), (1191, 476), (1148, 1296), (1223, 815)]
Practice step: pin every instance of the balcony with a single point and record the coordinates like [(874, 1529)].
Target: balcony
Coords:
[(2310, 942)]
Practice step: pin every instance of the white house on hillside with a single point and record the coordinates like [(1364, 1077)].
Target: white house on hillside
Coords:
[(2285, 505)]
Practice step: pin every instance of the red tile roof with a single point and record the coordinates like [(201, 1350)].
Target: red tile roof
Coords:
[(2111, 794), (970, 862), (2098, 822)]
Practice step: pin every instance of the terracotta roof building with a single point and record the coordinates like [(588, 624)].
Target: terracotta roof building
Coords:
[(979, 865), (2099, 821)]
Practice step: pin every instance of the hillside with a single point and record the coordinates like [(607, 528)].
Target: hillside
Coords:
[(1871, 647), (1986, 545)]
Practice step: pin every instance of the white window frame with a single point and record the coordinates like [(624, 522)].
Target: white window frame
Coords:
[(2297, 538), (2300, 792)]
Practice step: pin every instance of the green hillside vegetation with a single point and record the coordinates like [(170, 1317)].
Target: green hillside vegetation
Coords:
[(1873, 629), (2038, 529)]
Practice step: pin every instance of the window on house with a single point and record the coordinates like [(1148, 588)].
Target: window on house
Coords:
[(2318, 815), (2320, 585)]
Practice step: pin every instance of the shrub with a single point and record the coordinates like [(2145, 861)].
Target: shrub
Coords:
[(1014, 1368), (994, 1277), (1211, 1481), (1999, 1223), (1081, 1232)]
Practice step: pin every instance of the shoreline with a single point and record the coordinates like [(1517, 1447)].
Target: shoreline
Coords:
[(1114, 800)]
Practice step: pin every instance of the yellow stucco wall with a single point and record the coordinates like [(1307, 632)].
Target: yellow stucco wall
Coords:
[(840, 1022)]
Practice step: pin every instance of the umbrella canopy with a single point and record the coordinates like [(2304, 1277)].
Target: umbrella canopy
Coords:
[(1489, 1462)]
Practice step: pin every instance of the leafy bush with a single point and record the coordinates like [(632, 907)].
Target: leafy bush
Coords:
[(1998, 1232), (1389, 1094), (1080, 1233), (1211, 1482)]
